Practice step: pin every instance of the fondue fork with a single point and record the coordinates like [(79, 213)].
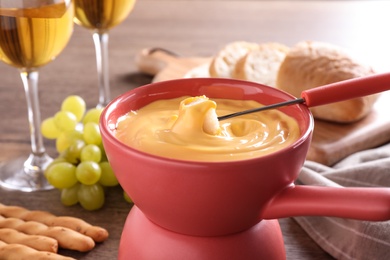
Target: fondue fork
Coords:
[(330, 93)]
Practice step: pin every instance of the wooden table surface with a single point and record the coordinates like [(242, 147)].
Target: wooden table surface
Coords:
[(189, 28)]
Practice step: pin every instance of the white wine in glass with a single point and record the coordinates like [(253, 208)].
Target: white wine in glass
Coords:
[(99, 16), (32, 33)]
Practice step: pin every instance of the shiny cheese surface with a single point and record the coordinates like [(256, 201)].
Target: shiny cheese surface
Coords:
[(187, 128)]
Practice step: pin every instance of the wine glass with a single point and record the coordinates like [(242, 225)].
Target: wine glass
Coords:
[(32, 33), (99, 16)]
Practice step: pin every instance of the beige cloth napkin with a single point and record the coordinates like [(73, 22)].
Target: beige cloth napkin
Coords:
[(346, 238)]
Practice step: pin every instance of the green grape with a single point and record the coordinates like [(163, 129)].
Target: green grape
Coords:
[(61, 175), (82, 170), (69, 195), (74, 104), (49, 129), (91, 133), (108, 177), (127, 197), (91, 152), (55, 161), (88, 173), (91, 197), (67, 138), (65, 121), (92, 115), (73, 153)]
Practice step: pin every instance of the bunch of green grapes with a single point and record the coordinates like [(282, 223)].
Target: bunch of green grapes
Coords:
[(81, 171)]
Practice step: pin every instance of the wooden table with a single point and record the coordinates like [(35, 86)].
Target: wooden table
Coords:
[(189, 28)]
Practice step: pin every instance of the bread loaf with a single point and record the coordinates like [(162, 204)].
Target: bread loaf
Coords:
[(312, 64), (262, 64), (223, 63)]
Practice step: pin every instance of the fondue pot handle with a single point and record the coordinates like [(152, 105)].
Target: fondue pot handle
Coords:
[(347, 89), (371, 204)]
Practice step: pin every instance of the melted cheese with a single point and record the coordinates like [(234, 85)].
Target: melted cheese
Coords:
[(187, 128)]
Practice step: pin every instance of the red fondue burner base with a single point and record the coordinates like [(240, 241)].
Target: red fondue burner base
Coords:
[(142, 239)]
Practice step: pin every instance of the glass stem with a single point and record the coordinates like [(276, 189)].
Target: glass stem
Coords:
[(30, 83), (100, 39)]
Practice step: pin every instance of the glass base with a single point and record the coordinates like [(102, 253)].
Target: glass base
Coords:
[(25, 175)]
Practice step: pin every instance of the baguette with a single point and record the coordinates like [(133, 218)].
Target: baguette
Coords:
[(262, 64), (222, 64), (40, 243), (22, 252), (311, 64), (67, 238), (98, 234)]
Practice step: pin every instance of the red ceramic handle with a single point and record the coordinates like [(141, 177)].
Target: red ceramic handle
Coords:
[(355, 203), (347, 89)]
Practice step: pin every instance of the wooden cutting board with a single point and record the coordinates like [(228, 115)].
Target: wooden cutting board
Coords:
[(331, 141)]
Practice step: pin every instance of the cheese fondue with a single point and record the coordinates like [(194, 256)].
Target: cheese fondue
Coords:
[(187, 128)]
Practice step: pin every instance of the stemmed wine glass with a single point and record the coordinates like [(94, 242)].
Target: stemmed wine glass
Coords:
[(32, 33), (99, 16)]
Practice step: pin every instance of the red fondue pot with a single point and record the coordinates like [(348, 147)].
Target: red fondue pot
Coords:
[(222, 198)]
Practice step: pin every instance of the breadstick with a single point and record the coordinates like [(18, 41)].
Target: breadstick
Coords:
[(22, 252), (98, 234), (40, 243), (67, 238)]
